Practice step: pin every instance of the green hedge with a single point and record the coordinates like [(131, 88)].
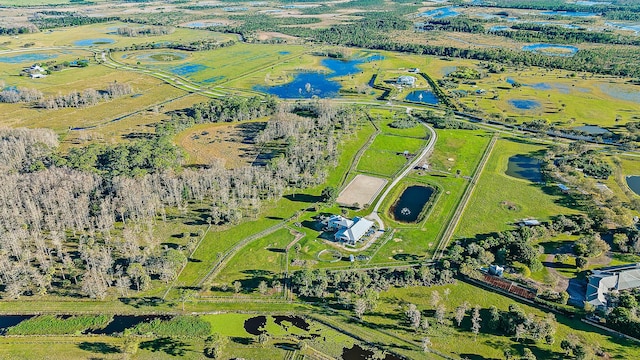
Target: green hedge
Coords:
[(179, 326), (54, 325)]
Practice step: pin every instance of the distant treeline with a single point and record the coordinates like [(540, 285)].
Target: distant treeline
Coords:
[(76, 99), (145, 31), (69, 20), (198, 45), (615, 11), (16, 30)]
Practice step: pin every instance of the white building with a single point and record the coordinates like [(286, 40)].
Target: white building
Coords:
[(337, 222), (406, 80), (604, 281), (354, 233)]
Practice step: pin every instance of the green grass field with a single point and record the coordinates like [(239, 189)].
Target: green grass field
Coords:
[(506, 198)]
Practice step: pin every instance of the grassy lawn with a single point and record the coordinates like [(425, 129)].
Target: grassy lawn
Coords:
[(455, 149), (267, 263), (506, 198), (390, 314), (220, 240)]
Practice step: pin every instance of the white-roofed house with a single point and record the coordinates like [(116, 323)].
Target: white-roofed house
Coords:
[(406, 80), (354, 233), (337, 222), (604, 281)]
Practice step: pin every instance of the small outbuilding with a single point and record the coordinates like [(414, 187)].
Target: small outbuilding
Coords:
[(563, 188)]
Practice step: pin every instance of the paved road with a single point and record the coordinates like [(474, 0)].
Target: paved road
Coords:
[(432, 141)]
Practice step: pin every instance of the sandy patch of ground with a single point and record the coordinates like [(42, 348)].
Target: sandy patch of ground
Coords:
[(363, 189)]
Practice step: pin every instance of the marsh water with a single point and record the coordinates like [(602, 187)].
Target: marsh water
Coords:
[(411, 203), (524, 167), (524, 104), (318, 84)]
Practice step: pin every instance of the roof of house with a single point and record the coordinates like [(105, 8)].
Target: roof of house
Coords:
[(531, 222), (563, 187), (602, 282), (340, 221), (406, 79), (355, 232)]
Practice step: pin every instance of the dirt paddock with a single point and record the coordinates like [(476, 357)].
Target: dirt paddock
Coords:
[(362, 189)]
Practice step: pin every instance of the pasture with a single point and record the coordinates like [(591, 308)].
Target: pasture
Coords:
[(509, 199), (454, 150), (564, 99), (215, 67)]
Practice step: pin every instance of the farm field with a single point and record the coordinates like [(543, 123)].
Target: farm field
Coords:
[(509, 199), (454, 150)]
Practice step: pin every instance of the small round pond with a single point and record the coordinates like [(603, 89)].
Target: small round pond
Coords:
[(634, 183), (552, 49), (98, 41), (524, 167), (592, 129), (423, 96), (524, 104), (412, 203)]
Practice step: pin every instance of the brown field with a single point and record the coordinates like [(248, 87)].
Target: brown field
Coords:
[(230, 143), (362, 189)]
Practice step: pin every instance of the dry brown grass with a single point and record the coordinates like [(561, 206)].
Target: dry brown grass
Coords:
[(230, 143)]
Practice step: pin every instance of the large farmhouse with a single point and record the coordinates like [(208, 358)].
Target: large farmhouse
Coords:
[(605, 281), (348, 231)]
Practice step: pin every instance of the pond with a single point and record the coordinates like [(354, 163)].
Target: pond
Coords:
[(499, 28), (122, 322), (524, 167), (7, 321), (318, 84), (628, 26), (356, 352), (621, 92), (592, 129), (97, 41), (203, 24), (26, 58), (411, 203), (256, 325), (162, 56), (423, 96), (441, 13), (552, 49), (524, 104), (634, 183)]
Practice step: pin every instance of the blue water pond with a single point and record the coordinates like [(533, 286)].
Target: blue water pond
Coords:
[(552, 49), (499, 28), (441, 13), (634, 183), (319, 84), (26, 58), (423, 96), (592, 129), (524, 104), (284, 52), (524, 167), (97, 41)]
